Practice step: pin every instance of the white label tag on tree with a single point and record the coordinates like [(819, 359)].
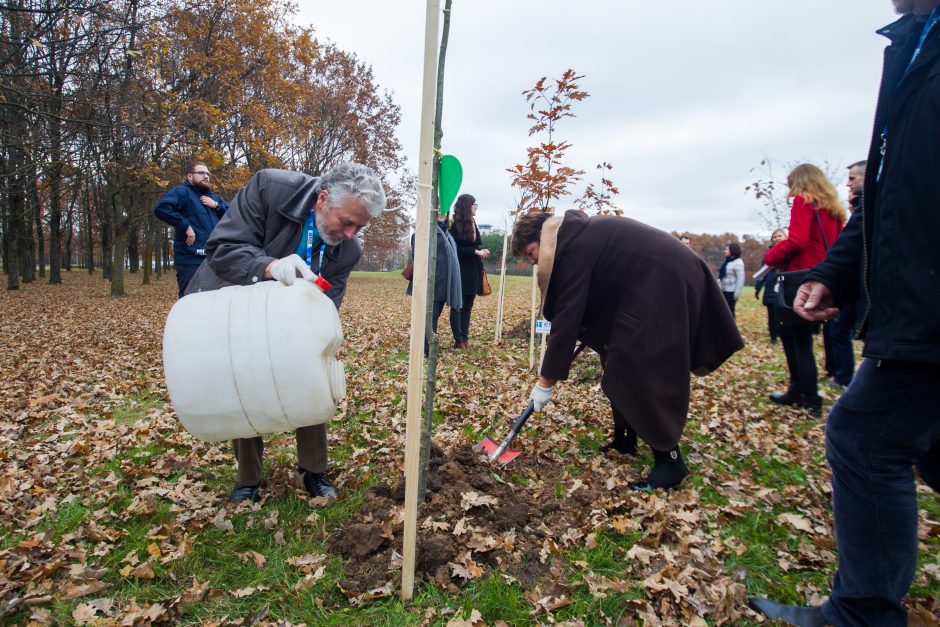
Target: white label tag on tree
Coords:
[(543, 327)]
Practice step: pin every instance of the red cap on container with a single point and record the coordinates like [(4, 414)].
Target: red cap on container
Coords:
[(322, 283)]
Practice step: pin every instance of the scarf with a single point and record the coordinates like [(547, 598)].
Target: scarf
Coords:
[(454, 292), (724, 267)]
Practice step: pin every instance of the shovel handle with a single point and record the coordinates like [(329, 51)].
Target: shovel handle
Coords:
[(515, 430)]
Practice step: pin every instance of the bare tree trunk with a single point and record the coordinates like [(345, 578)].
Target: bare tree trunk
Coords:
[(37, 216)]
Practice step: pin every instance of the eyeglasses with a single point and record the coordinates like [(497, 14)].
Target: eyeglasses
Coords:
[(204, 172)]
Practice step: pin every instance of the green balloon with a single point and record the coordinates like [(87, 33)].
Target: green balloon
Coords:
[(448, 182)]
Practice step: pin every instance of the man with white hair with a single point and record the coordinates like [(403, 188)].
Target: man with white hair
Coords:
[(283, 225), (886, 422)]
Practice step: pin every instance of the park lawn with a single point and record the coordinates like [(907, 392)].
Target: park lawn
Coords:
[(112, 514)]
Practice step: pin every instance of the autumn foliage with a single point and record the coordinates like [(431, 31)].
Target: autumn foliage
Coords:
[(105, 102)]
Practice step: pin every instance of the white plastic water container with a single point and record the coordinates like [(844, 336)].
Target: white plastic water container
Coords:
[(243, 361)]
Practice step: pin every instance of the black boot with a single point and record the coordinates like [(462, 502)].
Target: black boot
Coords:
[(622, 443), (811, 616), (668, 472), (316, 483), (790, 397)]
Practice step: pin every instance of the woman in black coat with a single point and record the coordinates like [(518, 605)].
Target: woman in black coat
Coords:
[(470, 255)]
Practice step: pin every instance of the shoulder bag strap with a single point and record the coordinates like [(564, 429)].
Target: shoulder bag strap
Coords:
[(822, 231)]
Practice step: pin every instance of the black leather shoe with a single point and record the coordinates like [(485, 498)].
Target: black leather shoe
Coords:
[(243, 493), (811, 616), (790, 397), (317, 485), (813, 409)]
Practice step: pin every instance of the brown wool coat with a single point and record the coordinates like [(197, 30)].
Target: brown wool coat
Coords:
[(647, 304)]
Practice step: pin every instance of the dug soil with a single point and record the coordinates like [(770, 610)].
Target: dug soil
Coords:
[(474, 518)]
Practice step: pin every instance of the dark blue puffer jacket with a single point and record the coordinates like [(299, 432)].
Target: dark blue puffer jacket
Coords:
[(180, 208)]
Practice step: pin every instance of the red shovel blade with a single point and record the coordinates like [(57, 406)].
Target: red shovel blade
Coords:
[(489, 447)]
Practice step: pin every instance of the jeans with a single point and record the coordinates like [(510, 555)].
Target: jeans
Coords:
[(839, 349), (184, 274), (886, 422), (797, 343), (460, 319)]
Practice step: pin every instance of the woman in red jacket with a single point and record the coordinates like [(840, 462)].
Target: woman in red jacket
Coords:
[(816, 219)]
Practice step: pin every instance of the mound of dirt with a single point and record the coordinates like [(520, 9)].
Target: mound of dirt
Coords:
[(474, 518)]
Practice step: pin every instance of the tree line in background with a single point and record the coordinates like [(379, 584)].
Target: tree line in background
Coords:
[(102, 103)]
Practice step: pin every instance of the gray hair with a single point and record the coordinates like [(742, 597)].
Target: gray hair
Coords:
[(358, 181)]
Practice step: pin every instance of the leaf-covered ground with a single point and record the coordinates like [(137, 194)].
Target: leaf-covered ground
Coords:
[(111, 514)]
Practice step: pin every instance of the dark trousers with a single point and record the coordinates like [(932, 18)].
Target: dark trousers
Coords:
[(184, 275), (797, 343), (460, 319), (886, 422), (772, 327), (438, 308), (311, 454), (729, 298), (840, 356)]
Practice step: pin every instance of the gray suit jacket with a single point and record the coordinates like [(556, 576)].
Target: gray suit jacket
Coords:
[(264, 223)]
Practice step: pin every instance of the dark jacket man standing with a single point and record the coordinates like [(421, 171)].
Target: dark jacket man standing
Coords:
[(283, 225), (193, 210), (887, 421)]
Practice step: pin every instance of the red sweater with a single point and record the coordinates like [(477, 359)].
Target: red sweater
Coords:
[(804, 247)]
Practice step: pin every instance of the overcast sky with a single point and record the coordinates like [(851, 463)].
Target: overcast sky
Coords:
[(686, 97)]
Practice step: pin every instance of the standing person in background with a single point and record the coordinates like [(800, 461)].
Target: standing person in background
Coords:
[(470, 253), (816, 219), (284, 225), (840, 355), (447, 289), (686, 241), (193, 210), (768, 282), (887, 421), (731, 275)]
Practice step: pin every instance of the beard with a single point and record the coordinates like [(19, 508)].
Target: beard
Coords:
[(319, 218)]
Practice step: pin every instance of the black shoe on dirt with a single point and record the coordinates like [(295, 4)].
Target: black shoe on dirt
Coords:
[(317, 485), (669, 470)]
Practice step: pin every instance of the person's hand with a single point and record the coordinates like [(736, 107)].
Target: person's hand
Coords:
[(814, 301), (756, 295), (190, 236), (208, 202), (540, 397), (286, 270)]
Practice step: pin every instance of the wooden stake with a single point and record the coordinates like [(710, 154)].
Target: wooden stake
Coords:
[(502, 291), (419, 300)]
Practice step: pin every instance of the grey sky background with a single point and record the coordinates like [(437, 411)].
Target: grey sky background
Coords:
[(686, 97)]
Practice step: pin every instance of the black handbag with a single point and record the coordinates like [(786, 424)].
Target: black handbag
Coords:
[(786, 287)]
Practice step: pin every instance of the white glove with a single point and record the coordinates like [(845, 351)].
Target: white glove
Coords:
[(540, 397), (286, 270)]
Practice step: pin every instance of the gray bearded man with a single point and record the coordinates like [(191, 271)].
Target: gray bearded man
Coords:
[(284, 225)]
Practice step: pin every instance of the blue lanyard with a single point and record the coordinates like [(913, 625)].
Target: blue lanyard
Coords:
[(311, 235), (931, 21), (934, 17)]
